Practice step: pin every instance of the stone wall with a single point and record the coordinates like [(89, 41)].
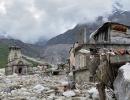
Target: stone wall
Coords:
[(81, 76)]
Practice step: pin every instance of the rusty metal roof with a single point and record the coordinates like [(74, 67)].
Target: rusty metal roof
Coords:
[(105, 26)]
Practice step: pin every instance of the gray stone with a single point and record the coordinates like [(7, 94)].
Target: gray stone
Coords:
[(122, 83)]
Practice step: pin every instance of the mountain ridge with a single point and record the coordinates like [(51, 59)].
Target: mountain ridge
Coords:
[(48, 49), (68, 37)]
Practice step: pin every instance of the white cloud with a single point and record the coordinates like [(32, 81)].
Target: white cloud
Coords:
[(2, 8), (29, 20)]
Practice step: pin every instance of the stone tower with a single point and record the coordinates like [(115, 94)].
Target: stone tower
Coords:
[(14, 53)]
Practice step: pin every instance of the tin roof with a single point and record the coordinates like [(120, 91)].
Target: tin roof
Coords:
[(105, 27)]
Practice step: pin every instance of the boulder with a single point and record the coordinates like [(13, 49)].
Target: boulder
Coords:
[(69, 93), (93, 92), (64, 83), (122, 83), (38, 88)]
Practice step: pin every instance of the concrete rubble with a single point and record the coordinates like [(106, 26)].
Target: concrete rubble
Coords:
[(40, 87)]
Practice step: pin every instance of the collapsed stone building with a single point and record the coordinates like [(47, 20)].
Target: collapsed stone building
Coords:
[(106, 51), (111, 43), (79, 56), (16, 63)]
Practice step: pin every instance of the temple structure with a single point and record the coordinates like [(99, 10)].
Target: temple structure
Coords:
[(16, 63)]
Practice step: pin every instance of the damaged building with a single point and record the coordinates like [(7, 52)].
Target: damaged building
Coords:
[(16, 63), (79, 57), (111, 43), (106, 51), (111, 39), (111, 33)]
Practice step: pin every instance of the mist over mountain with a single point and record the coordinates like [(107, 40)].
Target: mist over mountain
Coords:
[(66, 39), (47, 49)]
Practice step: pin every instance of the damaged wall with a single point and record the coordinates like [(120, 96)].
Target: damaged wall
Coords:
[(81, 76)]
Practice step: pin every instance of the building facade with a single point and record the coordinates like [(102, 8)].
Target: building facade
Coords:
[(16, 63)]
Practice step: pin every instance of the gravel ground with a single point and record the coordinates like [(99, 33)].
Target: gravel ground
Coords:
[(37, 87)]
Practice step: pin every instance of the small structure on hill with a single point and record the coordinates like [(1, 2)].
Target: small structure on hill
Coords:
[(16, 63)]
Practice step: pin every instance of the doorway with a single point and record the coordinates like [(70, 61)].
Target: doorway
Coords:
[(19, 70)]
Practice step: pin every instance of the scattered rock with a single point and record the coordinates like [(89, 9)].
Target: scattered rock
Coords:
[(69, 93), (93, 92), (38, 88)]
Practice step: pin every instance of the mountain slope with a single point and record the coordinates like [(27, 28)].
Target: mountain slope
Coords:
[(120, 17), (27, 49), (57, 53), (3, 55), (69, 37)]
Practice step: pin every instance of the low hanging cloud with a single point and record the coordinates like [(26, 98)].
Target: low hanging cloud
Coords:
[(29, 20)]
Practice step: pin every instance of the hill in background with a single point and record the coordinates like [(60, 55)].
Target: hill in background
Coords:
[(27, 49), (3, 55), (56, 50), (66, 39)]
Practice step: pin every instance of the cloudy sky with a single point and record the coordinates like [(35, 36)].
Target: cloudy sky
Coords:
[(29, 20)]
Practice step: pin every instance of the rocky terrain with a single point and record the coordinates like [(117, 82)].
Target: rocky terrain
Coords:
[(40, 87)]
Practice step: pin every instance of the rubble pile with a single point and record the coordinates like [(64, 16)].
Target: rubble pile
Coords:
[(39, 87)]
